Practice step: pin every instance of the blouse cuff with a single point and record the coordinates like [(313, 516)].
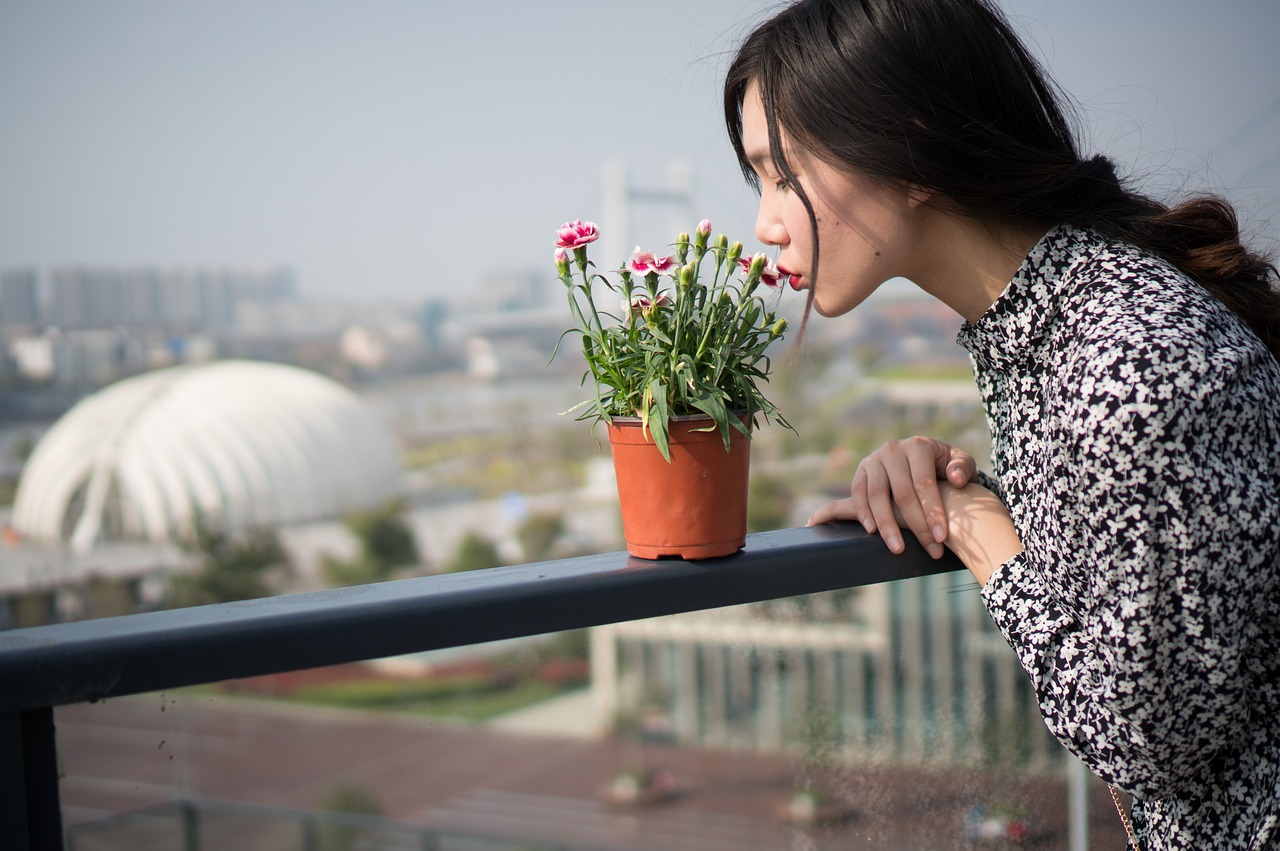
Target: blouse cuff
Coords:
[(1022, 609)]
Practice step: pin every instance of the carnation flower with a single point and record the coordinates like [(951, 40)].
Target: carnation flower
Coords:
[(576, 234), (641, 305), (769, 275), (646, 262)]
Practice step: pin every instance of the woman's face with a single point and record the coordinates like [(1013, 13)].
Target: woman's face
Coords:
[(866, 228)]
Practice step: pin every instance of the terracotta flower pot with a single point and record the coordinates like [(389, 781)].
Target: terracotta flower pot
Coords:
[(695, 506)]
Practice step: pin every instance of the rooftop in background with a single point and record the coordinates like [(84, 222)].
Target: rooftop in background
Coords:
[(243, 444)]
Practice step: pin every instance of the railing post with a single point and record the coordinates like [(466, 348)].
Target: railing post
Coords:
[(310, 833), (190, 825), (29, 808)]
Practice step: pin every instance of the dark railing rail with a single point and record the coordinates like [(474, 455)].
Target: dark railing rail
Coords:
[(44, 667)]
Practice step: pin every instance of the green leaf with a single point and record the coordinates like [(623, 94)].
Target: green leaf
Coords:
[(659, 420), (712, 404)]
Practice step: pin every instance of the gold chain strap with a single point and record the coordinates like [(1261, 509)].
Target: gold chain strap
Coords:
[(1124, 818)]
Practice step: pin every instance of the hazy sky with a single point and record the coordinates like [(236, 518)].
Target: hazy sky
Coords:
[(388, 147)]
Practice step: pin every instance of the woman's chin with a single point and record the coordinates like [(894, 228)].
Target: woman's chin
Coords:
[(830, 310)]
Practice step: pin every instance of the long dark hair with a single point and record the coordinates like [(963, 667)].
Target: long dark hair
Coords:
[(942, 94)]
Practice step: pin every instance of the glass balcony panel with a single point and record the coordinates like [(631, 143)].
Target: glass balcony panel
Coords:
[(890, 716)]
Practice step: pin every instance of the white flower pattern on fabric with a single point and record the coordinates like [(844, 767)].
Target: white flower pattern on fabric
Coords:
[(1136, 443)]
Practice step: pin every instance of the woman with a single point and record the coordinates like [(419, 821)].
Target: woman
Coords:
[(1125, 351)]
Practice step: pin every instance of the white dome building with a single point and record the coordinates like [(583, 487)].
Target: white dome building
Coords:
[(240, 443)]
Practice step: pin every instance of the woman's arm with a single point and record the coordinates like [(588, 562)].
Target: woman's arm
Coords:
[(982, 532), (979, 529), (1136, 612)]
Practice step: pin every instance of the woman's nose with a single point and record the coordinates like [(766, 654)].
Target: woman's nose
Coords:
[(769, 229)]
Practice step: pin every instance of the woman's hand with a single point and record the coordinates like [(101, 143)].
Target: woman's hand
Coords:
[(981, 531), (898, 485)]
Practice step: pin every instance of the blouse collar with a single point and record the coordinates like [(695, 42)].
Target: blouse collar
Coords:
[(1026, 311)]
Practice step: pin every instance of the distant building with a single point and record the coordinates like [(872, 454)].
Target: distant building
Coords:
[(197, 299), (19, 298), (236, 444), (513, 291), (905, 672)]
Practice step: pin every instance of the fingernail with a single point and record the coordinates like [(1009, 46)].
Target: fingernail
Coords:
[(895, 544), (938, 533), (935, 550)]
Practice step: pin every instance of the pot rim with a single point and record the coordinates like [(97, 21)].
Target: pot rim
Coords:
[(676, 419)]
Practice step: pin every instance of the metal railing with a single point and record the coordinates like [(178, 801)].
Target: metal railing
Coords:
[(44, 667)]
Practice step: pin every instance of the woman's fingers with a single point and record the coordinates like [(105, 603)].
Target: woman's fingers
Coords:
[(919, 500), (955, 465), (840, 509), (896, 488)]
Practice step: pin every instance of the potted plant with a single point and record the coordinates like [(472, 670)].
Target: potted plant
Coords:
[(676, 374)]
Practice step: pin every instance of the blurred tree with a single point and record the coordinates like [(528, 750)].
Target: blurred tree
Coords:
[(22, 447), (384, 535), (475, 552), (346, 799), (769, 503), (232, 567), (386, 543), (538, 535)]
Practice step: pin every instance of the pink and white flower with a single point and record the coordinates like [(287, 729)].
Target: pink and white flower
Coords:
[(769, 274), (646, 262), (642, 305), (576, 234)]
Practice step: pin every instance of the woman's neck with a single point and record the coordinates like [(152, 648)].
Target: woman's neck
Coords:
[(966, 264)]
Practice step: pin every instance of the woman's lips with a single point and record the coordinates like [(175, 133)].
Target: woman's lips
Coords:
[(794, 280)]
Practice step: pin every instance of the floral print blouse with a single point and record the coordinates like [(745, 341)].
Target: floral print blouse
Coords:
[(1136, 426)]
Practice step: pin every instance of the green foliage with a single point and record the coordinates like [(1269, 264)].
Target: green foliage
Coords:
[(769, 503), (538, 535), (347, 799), (386, 543), (233, 567), (571, 644), (22, 447), (388, 694), (350, 798), (473, 697), (475, 552), (692, 348), (384, 535), (360, 570)]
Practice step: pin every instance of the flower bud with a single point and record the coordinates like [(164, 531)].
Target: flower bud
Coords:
[(687, 276), (735, 251), (562, 261), (779, 328), (702, 234)]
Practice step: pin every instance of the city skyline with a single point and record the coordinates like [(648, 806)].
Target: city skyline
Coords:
[(405, 151)]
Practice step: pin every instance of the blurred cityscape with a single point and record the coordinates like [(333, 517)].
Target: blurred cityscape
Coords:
[(107, 371)]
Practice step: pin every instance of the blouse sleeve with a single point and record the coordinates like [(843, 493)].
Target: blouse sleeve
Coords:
[(1167, 488), (990, 482)]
